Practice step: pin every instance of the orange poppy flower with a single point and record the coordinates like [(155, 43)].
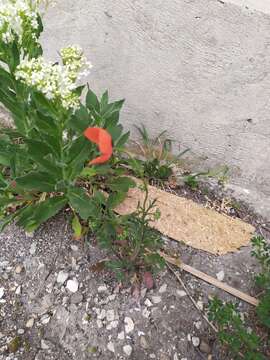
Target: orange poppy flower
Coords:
[(103, 139)]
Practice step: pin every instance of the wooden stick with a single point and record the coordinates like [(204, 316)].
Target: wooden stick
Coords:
[(199, 274)]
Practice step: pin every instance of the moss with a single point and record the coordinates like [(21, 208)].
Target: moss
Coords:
[(14, 344)]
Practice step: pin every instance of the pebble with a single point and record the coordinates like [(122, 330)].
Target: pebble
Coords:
[(21, 331), (76, 298), (220, 275), (45, 319), (74, 248), (198, 324), (175, 356), (72, 285), (44, 345), (102, 288), (144, 343), (110, 346), (110, 315), (99, 323), (145, 313), (181, 293), (33, 248), (148, 303), (129, 325), (121, 335), (112, 325), (163, 289), (2, 292), (127, 350), (156, 299), (18, 269), (204, 347), (62, 277), (30, 323), (195, 341), (18, 290), (102, 314), (200, 304), (152, 356)]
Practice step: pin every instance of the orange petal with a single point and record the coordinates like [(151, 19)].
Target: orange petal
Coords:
[(103, 139)]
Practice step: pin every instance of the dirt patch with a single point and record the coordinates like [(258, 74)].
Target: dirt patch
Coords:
[(57, 307)]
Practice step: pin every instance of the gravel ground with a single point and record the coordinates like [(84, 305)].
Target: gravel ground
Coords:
[(55, 305)]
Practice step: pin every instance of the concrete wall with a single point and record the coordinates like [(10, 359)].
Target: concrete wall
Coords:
[(198, 68)]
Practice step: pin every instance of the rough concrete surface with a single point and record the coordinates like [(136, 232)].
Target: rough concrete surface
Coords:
[(199, 69)]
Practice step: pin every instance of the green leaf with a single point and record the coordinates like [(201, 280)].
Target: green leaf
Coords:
[(122, 184), (115, 199), (39, 181), (80, 121), (76, 227), (115, 131), (122, 141), (92, 101), (104, 100), (81, 202)]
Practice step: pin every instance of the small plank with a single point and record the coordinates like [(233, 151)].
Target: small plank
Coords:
[(211, 280)]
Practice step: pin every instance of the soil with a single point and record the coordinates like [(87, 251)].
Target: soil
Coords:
[(56, 306)]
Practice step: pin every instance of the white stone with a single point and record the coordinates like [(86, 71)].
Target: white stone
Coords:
[(156, 299), (18, 290), (148, 303), (30, 323), (220, 275), (110, 347), (129, 324), (152, 356), (74, 248), (33, 248), (195, 341), (45, 319), (2, 292), (99, 324), (18, 269), (72, 285), (110, 315), (62, 277), (163, 289), (175, 356), (181, 293), (198, 324), (121, 335), (102, 314), (21, 331), (127, 350), (102, 288), (200, 304), (44, 345)]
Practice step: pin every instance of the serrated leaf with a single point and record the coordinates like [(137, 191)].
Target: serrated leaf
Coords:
[(39, 181), (81, 202)]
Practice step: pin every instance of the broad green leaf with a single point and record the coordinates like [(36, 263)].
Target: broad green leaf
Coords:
[(104, 100), (81, 202), (122, 141), (122, 184), (80, 121), (34, 215), (115, 131), (92, 101), (115, 199), (38, 181)]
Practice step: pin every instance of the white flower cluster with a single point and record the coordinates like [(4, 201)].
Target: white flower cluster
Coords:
[(18, 17), (75, 62), (56, 82)]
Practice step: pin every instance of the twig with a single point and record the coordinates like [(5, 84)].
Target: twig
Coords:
[(191, 298), (199, 274)]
